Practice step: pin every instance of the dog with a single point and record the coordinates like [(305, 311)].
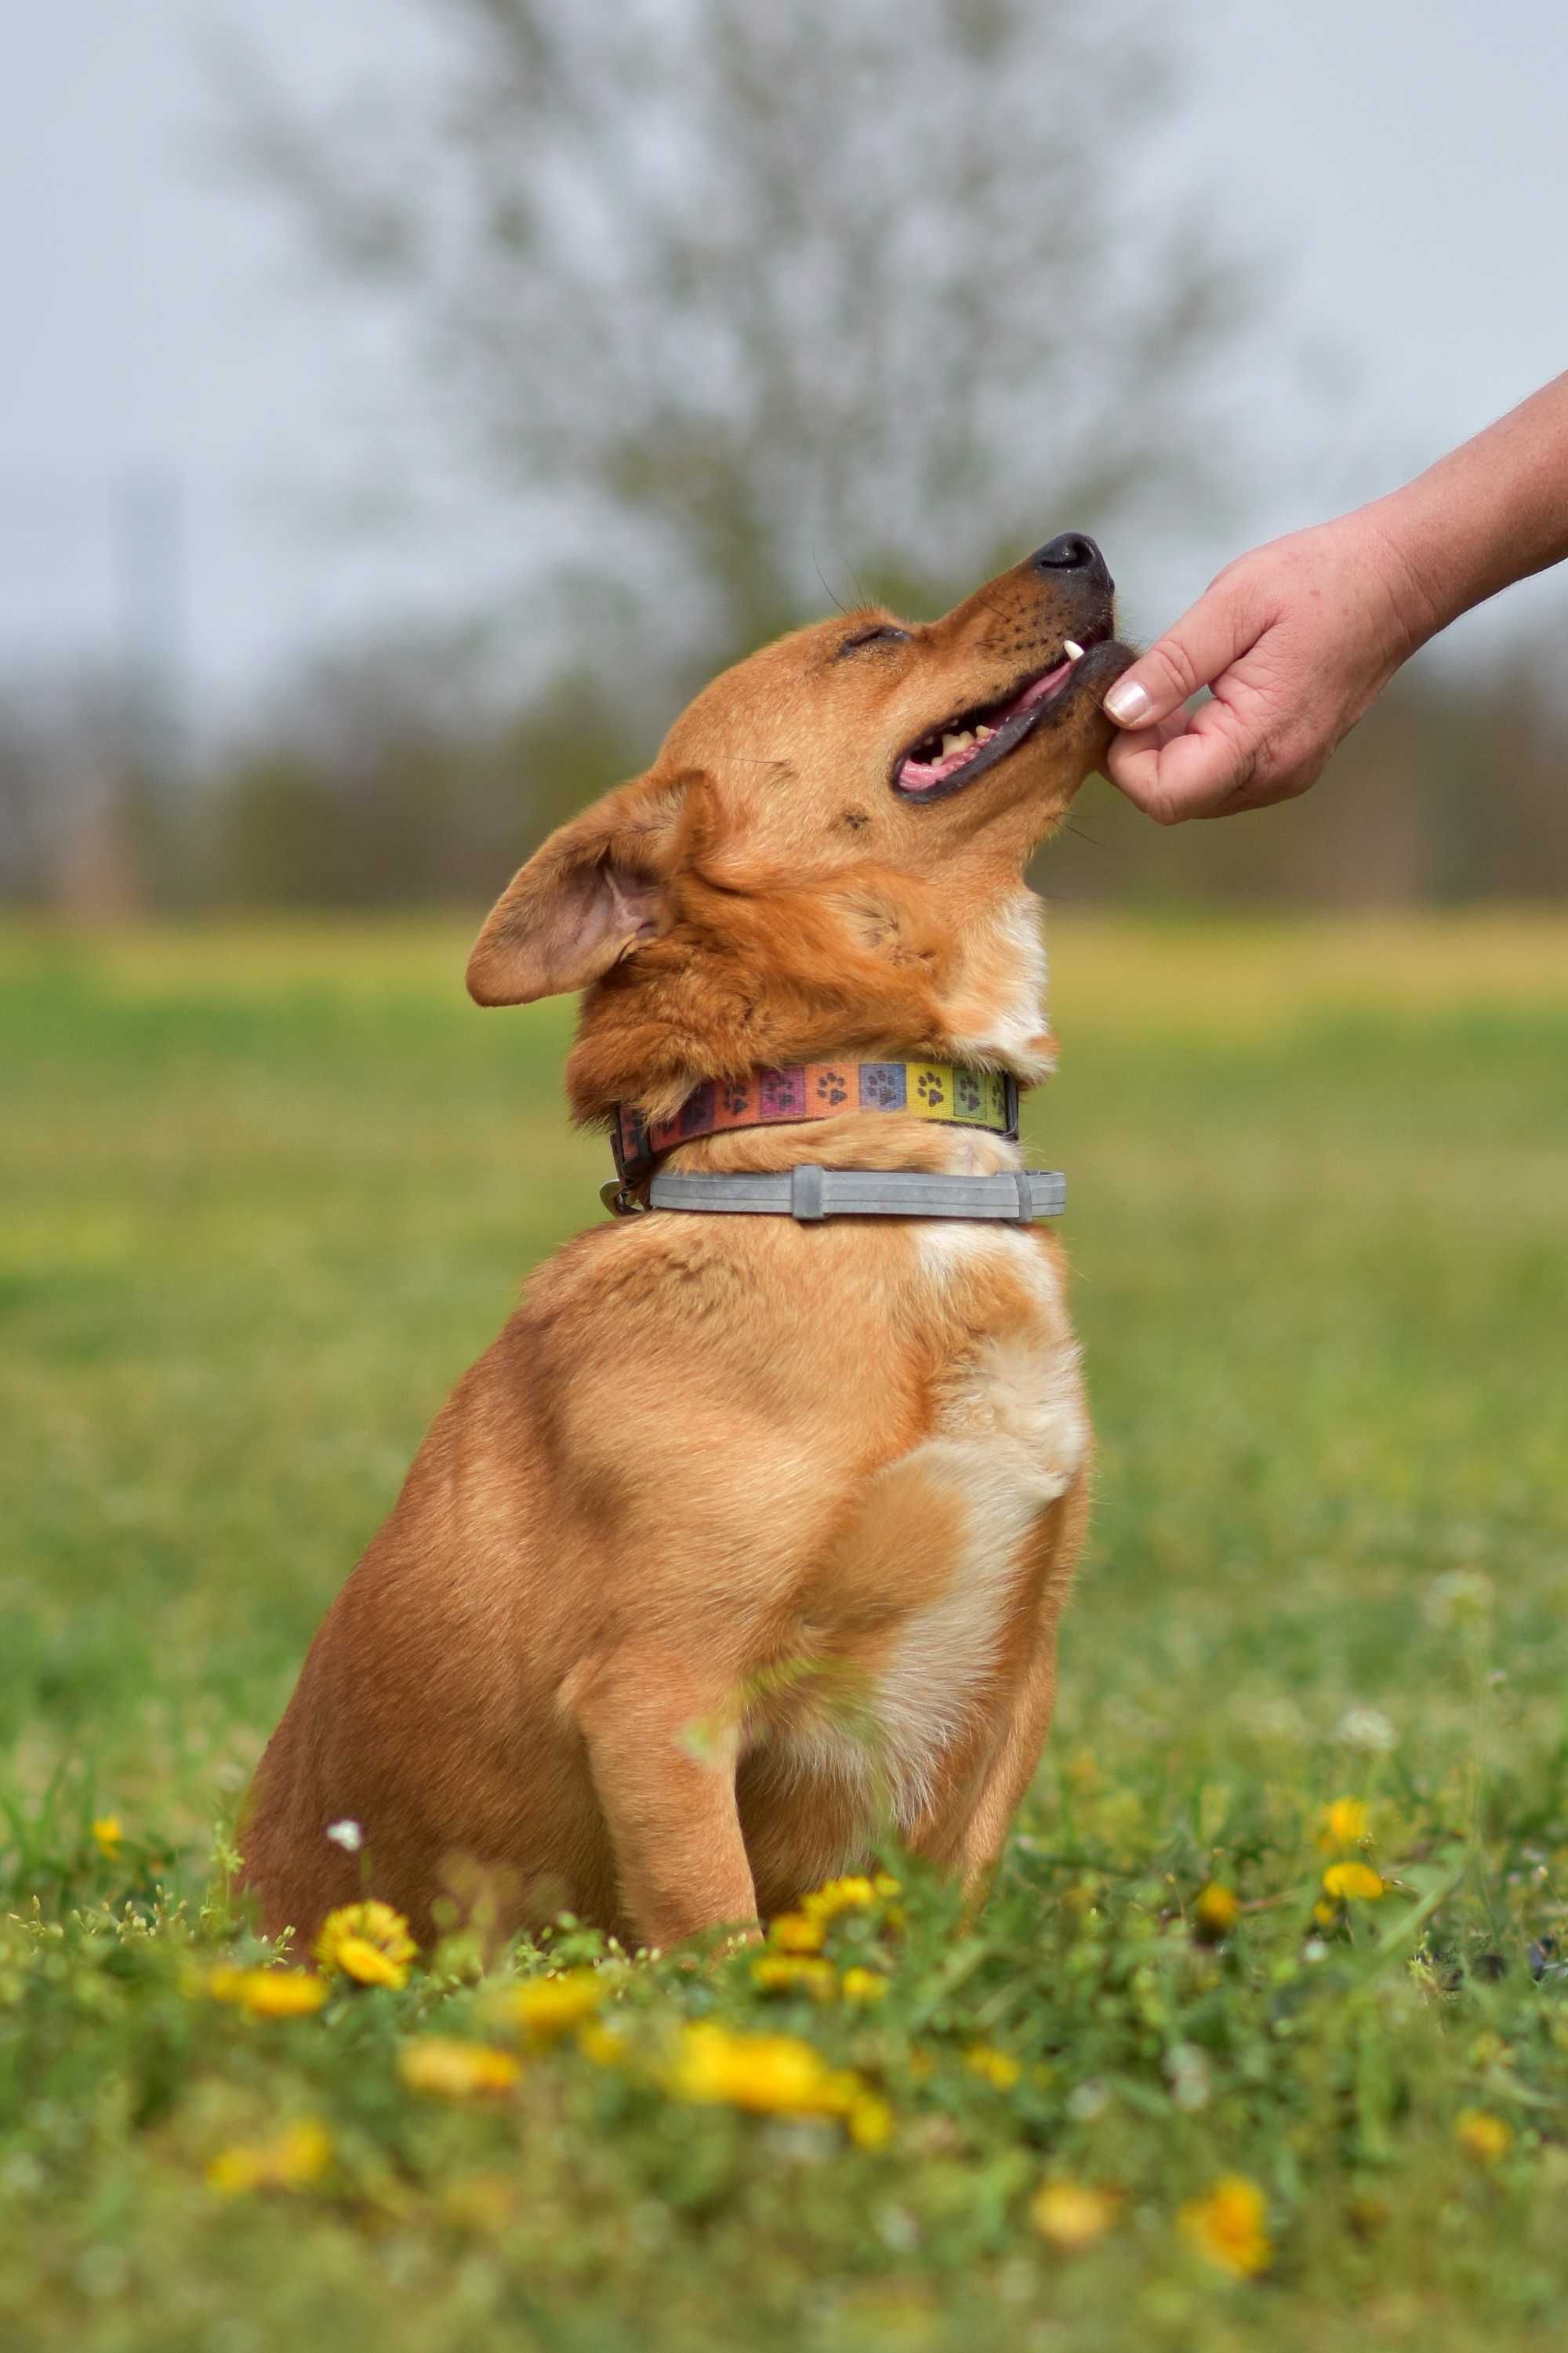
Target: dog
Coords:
[(746, 1543)]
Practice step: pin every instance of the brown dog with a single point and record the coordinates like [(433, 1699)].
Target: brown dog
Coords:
[(747, 1539)]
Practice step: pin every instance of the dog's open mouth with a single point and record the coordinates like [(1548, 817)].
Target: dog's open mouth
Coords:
[(963, 747)]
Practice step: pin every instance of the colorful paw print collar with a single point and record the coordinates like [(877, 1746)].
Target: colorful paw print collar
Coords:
[(804, 1091)]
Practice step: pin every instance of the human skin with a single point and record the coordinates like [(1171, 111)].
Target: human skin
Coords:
[(1298, 638)]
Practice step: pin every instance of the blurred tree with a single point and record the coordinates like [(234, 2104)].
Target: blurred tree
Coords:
[(746, 301)]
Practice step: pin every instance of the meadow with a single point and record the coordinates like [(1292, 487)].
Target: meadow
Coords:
[(1262, 2040)]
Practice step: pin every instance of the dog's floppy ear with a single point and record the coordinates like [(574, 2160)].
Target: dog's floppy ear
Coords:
[(593, 893)]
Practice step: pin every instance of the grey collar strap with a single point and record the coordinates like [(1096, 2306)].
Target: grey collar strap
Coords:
[(810, 1194)]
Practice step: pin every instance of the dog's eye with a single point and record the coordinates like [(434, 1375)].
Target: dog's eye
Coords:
[(884, 633)]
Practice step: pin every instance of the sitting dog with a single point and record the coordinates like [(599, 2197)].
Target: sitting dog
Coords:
[(746, 1542)]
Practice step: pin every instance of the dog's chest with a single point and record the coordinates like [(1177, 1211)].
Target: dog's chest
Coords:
[(951, 1524)]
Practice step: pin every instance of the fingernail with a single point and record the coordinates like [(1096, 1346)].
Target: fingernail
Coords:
[(1127, 703)]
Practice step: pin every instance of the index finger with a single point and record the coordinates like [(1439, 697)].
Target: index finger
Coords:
[(1132, 760), (1189, 773)]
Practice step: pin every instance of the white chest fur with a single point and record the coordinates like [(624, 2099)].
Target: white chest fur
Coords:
[(1010, 1435), (1000, 1018)]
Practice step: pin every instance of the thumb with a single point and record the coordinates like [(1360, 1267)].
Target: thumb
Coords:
[(1203, 642)]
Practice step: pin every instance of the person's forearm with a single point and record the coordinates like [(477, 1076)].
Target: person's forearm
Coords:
[(1491, 513)]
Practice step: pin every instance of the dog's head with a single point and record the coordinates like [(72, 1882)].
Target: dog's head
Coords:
[(827, 857)]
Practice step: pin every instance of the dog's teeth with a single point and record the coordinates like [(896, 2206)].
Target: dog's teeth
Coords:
[(1074, 652), (952, 744), (984, 735)]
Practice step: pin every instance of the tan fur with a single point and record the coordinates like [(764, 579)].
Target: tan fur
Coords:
[(746, 1539)]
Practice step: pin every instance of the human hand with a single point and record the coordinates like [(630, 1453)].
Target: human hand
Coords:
[(1295, 641)]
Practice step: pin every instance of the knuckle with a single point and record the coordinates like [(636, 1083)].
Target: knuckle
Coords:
[(1180, 670), (1162, 805), (1252, 763)]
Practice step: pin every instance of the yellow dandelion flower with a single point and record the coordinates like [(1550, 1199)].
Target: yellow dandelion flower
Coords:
[(1215, 1911), (793, 1932), (773, 2074), (1325, 1915), (863, 1985), (547, 2007), (450, 2069), (1345, 1823), (854, 1894), (1227, 2227), (1072, 2214), (997, 2067), (795, 1973), (870, 2121), (368, 1942), (107, 1835), (1482, 2136), (605, 2046), (298, 2156), (269, 1993), (368, 1965), (1352, 1883)]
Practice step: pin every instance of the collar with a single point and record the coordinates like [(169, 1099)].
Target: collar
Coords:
[(948, 1091), (809, 1194)]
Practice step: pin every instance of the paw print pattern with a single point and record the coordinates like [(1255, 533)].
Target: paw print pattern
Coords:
[(696, 1113), (832, 1089), (737, 1098), (931, 1091), (882, 1086), (782, 1093), (968, 1095)]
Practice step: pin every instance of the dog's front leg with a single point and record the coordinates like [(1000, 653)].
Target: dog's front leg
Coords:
[(1057, 1543), (662, 1748), (967, 1838)]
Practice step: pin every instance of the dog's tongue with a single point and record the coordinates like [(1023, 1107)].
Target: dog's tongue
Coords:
[(920, 775)]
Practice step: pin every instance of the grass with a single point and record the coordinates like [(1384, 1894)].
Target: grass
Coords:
[(266, 1195)]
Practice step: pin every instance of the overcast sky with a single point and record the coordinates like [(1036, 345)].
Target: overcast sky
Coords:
[(1405, 161)]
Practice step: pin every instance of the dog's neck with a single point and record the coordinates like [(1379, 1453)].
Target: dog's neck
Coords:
[(849, 976)]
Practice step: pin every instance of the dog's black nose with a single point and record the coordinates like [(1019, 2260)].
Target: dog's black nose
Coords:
[(1072, 551)]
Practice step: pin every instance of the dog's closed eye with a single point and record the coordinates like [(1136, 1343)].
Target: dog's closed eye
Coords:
[(882, 633)]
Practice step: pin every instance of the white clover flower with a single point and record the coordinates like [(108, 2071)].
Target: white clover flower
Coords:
[(346, 1834), (1366, 1728), (1461, 1596), (1187, 2068)]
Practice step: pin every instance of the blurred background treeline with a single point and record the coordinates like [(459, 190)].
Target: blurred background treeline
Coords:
[(717, 316)]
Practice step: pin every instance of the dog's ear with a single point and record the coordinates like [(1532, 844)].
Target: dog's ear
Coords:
[(593, 894)]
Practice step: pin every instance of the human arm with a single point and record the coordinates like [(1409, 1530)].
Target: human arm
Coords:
[(1298, 638)]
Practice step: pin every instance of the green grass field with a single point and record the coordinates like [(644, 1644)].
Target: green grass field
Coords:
[(266, 1193)]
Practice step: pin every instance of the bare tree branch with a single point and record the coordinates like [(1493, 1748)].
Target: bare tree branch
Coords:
[(762, 288)]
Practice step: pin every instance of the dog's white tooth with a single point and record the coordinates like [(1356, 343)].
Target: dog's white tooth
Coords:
[(1074, 652), (984, 735), (950, 743)]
